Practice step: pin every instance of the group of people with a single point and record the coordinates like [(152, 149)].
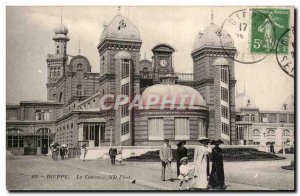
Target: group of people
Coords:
[(201, 176), (57, 151)]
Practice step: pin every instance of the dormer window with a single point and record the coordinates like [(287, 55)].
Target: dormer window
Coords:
[(79, 67)]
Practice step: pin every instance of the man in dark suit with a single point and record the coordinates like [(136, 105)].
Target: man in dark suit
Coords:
[(165, 155), (112, 154)]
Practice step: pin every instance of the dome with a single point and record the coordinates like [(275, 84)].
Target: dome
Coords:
[(61, 29), (288, 103), (182, 94), (120, 27), (211, 37), (244, 101), (123, 55), (221, 61)]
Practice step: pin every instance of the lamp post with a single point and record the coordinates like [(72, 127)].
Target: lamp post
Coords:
[(111, 128)]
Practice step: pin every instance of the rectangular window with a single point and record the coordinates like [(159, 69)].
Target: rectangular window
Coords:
[(225, 128), (124, 110), (125, 67), (21, 141), (125, 128), (224, 74), (224, 94), (15, 141), (283, 118), (102, 132), (156, 128), (291, 118), (182, 129), (85, 132), (224, 111), (202, 132), (272, 118), (125, 89), (9, 141)]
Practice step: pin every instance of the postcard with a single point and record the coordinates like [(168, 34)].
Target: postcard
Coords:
[(150, 98)]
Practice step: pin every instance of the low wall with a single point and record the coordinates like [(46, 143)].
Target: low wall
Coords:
[(130, 151)]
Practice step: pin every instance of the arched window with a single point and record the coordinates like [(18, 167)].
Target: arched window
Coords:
[(43, 131), (286, 133), (271, 133), (79, 90), (256, 132)]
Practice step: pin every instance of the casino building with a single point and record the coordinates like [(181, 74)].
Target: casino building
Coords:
[(71, 115)]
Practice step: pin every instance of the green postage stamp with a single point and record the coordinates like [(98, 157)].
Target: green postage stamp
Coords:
[(268, 26)]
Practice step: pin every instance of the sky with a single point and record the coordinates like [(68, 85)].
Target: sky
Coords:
[(29, 32)]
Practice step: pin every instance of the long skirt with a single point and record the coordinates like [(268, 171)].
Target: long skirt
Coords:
[(217, 178)]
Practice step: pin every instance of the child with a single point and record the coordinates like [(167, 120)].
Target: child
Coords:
[(184, 170), (119, 157)]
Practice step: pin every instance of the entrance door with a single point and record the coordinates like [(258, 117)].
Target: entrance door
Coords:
[(44, 146)]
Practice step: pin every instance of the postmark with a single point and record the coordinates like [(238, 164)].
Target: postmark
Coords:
[(239, 26), (285, 51)]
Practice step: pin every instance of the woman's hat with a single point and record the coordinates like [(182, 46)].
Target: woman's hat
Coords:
[(214, 142), (181, 142), (204, 140), (183, 159)]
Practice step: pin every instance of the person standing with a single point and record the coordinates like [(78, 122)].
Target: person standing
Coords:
[(44, 149), (272, 148), (181, 152), (216, 179), (83, 152), (112, 154), (201, 164), (62, 153), (165, 155)]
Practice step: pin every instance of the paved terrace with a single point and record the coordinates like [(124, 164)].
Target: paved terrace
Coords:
[(253, 175)]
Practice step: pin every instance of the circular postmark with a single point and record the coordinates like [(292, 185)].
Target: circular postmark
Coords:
[(285, 51), (252, 33)]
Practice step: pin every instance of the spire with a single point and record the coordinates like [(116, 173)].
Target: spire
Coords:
[(60, 14), (79, 50), (145, 55), (212, 16)]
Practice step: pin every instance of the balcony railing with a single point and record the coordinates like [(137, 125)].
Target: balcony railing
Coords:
[(151, 75)]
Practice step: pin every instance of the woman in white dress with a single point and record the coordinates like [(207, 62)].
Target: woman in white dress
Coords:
[(200, 180)]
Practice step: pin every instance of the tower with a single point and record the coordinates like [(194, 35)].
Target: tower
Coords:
[(162, 60), (119, 51), (214, 76), (56, 62)]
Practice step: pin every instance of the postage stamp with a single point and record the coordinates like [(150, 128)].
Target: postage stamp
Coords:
[(267, 27)]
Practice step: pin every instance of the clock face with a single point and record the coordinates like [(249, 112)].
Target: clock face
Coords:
[(163, 63)]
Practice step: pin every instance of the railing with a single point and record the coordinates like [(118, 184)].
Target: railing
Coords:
[(151, 75)]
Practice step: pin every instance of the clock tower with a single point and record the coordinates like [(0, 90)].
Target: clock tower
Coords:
[(162, 60)]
